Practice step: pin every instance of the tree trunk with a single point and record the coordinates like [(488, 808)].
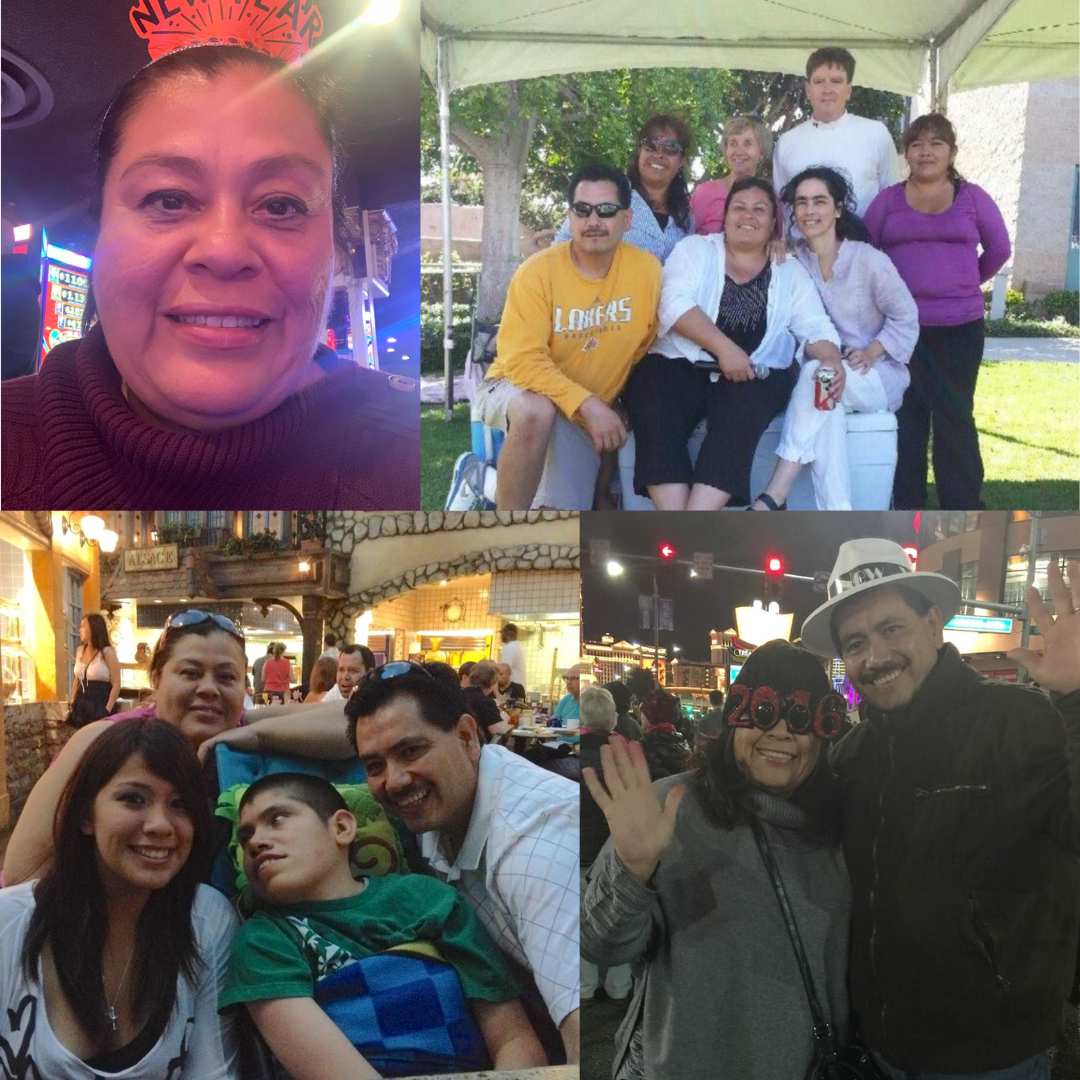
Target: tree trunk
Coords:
[(502, 158)]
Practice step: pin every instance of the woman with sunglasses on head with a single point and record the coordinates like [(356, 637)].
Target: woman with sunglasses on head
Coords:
[(732, 323), (110, 963), (682, 888), (659, 198), (197, 671)]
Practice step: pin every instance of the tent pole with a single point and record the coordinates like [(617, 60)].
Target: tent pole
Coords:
[(935, 67), (443, 89)]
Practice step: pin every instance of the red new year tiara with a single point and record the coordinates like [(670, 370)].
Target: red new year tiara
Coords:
[(283, 28)]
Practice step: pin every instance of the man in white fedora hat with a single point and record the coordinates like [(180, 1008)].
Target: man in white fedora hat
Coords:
[(961, 824)]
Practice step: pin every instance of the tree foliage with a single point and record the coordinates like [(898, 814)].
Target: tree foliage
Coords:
[(595, 116)]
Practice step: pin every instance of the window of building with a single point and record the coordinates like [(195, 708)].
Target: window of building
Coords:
[(16, 625), (1016, 578), (73, 616), (969, 573)]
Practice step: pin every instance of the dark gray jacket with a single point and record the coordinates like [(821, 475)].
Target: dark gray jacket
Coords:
[(718, 994)]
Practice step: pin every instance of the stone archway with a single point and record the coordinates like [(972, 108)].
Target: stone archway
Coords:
[(340, 615)]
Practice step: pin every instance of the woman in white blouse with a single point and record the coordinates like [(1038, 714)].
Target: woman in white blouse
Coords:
[(96, 684), (731, 324), (878, 322)]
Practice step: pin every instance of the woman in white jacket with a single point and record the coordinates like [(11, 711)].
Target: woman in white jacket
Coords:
[(731, 323)]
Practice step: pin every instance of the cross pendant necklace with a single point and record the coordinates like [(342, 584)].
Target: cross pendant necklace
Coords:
[(110, 1008)]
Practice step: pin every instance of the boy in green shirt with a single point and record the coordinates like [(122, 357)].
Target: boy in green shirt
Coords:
[(347, 978)]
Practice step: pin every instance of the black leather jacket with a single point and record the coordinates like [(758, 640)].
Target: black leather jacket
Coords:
[(961, 834)]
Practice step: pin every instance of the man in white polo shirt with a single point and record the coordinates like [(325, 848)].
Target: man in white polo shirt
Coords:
[(498, 828), (863, 149), (354, 663)]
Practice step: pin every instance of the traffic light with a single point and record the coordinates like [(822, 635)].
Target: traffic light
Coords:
[(774, 574), (667, 552)]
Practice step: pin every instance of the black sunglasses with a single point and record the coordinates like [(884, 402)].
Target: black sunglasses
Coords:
[(604, 209), (667, 146), (397, 668), (195, 617)]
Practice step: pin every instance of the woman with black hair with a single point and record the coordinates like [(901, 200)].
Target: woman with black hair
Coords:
[(197, 670), (681, 889), (659, 197), (878, 323), (110, 963), (731, 325), (96, 684)]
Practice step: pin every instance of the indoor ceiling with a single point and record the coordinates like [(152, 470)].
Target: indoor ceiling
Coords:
[(84, 52)]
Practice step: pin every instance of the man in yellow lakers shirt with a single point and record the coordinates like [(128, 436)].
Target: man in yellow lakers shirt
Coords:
[(578, 316)]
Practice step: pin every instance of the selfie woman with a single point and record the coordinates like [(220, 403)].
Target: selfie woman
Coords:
[(204, 382), (110, 963)]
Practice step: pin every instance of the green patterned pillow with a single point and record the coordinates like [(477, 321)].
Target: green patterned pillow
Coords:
[(376, 851)]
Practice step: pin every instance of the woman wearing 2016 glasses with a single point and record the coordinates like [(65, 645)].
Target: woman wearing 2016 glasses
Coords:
[(197, 670), (682, 890), (660, 198)]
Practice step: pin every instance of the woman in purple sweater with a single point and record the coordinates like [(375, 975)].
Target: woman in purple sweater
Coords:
[(932, 226)]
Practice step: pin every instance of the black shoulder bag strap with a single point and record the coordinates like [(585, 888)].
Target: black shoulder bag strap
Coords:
[(824, 1032)]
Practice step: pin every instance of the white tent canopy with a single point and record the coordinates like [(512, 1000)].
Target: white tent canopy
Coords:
[(911, 47), (976, 42)]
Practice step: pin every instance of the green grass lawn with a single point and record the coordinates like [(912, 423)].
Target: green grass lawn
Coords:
[(440, 445), (1026, 413)]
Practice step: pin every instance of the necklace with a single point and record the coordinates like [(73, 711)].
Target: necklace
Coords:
[(110, 1010)]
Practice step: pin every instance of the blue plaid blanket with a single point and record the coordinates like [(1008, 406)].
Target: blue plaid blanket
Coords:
[(406, 1014)]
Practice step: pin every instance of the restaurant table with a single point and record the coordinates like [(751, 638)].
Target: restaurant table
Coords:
[(548, 1072)]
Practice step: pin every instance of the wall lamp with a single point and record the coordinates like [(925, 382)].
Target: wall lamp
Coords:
[(91, 530)]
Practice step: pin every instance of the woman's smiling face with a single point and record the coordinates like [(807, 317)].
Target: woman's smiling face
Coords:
[(213, 265)]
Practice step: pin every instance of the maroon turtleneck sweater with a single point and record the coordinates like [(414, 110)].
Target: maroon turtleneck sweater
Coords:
[(69, 439)]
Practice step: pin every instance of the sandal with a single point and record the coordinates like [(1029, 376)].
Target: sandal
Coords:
[(769, 501)]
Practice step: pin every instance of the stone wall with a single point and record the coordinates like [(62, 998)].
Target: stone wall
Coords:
[(34, 734), (482, 561), (346, 528)]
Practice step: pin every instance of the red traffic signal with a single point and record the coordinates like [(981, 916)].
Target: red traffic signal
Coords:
[(774, 566), (667, 552)]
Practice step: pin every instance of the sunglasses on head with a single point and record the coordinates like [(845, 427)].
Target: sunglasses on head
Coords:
[(195, 617), (804, 713), (604, 209), (665, 146), (397, 668)]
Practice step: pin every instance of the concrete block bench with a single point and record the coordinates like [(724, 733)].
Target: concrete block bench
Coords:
[(871, 446)]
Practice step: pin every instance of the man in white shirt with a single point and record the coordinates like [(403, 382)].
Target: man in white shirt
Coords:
[(832, 136), (498, 828), (512, 653), (353, 666), (331, 649)]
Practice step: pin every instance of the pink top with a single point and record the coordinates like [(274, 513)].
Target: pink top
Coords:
[(276, 674), (707, 203)]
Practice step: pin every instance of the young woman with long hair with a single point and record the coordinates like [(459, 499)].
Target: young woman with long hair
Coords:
[(110, 963)]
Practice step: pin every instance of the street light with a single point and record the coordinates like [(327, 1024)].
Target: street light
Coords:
[(614, 569)]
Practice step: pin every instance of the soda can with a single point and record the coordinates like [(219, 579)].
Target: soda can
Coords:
[(823, 379)]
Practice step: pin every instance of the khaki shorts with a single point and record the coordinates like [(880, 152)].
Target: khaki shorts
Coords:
[(571, 462)]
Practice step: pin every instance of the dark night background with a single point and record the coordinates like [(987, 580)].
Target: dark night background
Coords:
[(807, 543), (85, 51)]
